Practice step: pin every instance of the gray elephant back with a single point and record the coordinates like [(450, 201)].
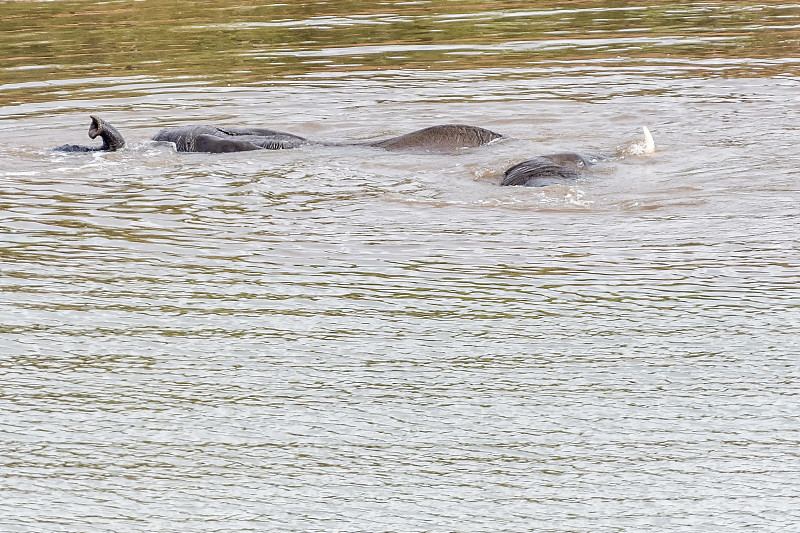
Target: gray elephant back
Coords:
[(439, 138)]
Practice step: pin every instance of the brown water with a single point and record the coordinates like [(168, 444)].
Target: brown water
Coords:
[(330, 339)]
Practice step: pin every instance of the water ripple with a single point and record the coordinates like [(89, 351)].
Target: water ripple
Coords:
[(344, 339)]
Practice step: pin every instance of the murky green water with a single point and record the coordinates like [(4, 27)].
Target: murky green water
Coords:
[(329, 339)]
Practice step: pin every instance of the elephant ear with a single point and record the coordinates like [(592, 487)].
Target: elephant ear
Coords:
[(218, 145), (538, 172)]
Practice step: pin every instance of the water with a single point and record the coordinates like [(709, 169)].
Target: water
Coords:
[(330, 339)]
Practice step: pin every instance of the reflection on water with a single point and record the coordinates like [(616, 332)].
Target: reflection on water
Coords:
[(231, 43), (330, 339)]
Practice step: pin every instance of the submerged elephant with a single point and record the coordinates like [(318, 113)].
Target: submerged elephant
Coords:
[(215, 140), (536, 172), (558, 168)]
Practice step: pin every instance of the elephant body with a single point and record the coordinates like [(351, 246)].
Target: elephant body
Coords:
[(536, 172)]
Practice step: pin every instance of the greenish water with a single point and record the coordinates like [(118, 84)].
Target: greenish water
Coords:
[(329, 339), (227, 42)]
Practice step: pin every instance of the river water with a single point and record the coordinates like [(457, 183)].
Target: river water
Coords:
[(344, 339)]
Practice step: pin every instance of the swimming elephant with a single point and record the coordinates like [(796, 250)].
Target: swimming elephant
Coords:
[(536, 172), (439, 139), (212, 139), (562, 167), (549, 169), (217, 140)]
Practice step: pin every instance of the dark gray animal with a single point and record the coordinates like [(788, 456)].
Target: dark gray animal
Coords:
[(560, 168), (549, 169), (536, 172), (439, 139), (215, 140)]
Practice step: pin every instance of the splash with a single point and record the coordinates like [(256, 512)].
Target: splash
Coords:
[(639, 147)]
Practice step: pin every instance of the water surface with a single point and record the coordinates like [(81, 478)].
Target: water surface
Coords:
[(330, 339)]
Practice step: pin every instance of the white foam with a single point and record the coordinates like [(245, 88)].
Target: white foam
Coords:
[(645, 146)]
